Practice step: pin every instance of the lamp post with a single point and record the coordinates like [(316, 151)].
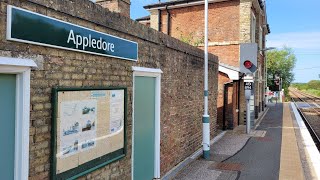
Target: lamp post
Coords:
[(266, 71), (206, 117)]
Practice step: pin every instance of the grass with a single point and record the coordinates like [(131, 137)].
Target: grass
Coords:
[(312, 87), (314, 92)]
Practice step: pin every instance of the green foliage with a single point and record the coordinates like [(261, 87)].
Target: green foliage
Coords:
[(191, 38), (312, 87), (282, 62)]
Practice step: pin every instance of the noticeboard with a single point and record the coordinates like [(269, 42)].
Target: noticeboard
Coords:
[(88, 129)]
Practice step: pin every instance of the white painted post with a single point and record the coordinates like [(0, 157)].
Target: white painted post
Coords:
[(248, 91), (248, 117), (206, 117)]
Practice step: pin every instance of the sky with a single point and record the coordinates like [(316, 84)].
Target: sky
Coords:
[(296, 24), (293, 23)]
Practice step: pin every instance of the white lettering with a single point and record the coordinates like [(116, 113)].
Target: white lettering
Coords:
[(85, 42), (99, 43), (112, 47), (71, 37), (79, 41), (94, 41), (104, 45)]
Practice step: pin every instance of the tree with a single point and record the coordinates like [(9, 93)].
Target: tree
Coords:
[(281, 62)]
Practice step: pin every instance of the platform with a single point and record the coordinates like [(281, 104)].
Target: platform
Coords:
[(278, 148)]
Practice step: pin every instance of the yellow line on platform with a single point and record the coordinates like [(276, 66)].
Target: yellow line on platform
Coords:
[(290, 163)]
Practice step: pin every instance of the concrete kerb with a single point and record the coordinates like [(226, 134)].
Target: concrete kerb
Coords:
[(261, 118), (308, 142), (173, 172)]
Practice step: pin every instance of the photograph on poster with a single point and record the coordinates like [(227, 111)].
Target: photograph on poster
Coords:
[(78, 124), (88, 144), (72, 129), (88, 126), (88, 110), (70, 149)]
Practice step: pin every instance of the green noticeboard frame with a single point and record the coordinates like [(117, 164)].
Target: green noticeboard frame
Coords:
[(96, 163)]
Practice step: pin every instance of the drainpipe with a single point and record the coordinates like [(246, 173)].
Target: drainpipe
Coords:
[(159, 19), (168, 20), (225, 104), (238, 99)]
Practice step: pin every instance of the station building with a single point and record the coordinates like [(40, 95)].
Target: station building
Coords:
[(88, 93), (231, 23)]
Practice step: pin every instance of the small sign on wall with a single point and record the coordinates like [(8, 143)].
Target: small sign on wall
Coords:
[(248, 85), (34, 28)]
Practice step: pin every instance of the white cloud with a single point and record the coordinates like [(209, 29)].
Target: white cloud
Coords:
[(296, 40)]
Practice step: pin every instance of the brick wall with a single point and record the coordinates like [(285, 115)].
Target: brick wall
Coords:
[(119, 6), (227, 54), (182, 82), (223, 24), (229, 25), (245, 21), (222, 16), (224, 35)]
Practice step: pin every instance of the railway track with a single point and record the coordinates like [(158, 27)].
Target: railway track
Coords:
[(309, 108)]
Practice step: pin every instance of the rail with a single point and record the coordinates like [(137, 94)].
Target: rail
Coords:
[(314, 135)]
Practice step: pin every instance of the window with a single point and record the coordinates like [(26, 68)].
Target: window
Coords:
[(253, 28)]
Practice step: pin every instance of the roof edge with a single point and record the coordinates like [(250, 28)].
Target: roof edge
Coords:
[(181, 2), (144, 18)]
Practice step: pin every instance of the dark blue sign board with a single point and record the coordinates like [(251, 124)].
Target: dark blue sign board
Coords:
[(29, 27), (248, 85)]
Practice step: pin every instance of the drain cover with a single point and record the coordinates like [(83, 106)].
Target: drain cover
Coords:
[(226, 166)]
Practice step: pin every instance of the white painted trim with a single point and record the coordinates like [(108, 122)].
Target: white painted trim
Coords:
[(309, 145), (144, 21), (17, 62), (137, 69), (149, 72), (9, 10), (22, 120), (9, 15), (187, 4), (232, 74)]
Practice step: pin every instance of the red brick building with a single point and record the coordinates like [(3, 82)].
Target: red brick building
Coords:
[(231, 23)]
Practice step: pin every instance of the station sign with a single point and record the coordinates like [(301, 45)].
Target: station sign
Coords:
[(33, 28)]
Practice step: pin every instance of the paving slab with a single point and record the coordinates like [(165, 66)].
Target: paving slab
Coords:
[(269, 152), (231, 143)]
